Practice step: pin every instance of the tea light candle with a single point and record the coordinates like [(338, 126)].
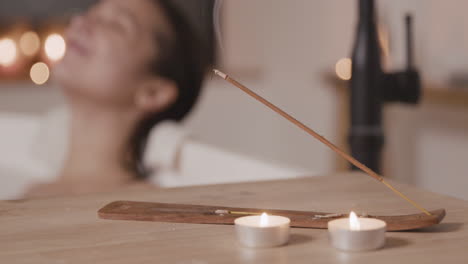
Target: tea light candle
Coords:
[(357, 234), (262, 230)]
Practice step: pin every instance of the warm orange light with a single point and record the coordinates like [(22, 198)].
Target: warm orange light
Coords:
[(40, 73), (384, 40), (30, 43), (343, 69), (55, 47), (8, 52)]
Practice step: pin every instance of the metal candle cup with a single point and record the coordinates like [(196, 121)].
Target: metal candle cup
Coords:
[(262, 230), (357, 234)]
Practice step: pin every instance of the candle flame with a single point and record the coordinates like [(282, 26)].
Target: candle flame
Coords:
[(264, 220), (354, 221)]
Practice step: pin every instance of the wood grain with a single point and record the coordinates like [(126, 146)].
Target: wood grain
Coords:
[(200, 214), (67, 229)]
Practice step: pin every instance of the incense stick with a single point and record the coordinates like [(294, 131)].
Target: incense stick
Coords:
[(311, 132), (227, 212)]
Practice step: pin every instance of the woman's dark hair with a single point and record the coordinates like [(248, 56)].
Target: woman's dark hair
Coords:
[(182, 59)]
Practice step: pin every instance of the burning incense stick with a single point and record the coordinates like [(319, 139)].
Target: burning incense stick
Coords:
[(320, 138)]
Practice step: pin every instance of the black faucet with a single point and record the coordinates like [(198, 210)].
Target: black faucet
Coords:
[(371, 88)]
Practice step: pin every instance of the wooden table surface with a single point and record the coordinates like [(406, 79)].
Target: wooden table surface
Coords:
[(67, 230)]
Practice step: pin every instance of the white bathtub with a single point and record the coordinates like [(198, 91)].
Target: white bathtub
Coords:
[(30, 153)]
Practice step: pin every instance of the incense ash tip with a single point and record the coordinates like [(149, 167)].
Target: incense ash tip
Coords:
[(221, 212), (219, 73)]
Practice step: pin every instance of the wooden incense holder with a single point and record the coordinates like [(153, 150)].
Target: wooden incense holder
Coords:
[(200, 214)]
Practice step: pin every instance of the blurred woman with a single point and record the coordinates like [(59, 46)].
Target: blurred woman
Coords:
[(129, 65)]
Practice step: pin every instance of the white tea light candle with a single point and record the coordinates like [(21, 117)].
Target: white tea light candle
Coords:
[(357, 234), (262, 230)]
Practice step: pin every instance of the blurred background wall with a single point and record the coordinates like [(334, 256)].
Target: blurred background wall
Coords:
[(287, 51)]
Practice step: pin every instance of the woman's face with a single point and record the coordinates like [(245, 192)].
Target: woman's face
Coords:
[(109, 49)]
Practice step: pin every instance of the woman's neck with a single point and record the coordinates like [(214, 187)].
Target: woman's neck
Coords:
[(98, 147)]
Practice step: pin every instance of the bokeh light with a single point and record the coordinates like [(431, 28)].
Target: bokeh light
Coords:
[(343, 69), (30, 43), (55, 47), (8, 52), (40, 73)]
